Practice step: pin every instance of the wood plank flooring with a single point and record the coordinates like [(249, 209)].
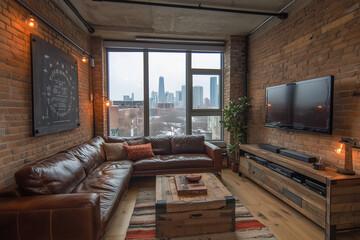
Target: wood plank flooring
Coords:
[(282, 220)]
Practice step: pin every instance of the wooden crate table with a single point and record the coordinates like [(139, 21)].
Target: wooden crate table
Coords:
[(193, 214)]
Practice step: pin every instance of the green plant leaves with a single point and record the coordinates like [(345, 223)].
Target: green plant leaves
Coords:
[(235, 120)]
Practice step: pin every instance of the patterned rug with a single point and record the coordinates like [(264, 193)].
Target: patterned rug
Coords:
[(142, 222)]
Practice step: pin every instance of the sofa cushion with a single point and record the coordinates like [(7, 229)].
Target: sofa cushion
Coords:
[(97, 143), (133, 142), (87, 154), (138, 152), (130, 140), (187, 144), (58, 174), (115, 151), (167, 162), (110, 181), (160, 145)]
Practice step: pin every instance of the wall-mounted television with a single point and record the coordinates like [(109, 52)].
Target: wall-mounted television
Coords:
[(301, 106)]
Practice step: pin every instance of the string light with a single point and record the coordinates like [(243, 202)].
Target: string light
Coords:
[(84, 58), (107, 103), (31, 22)]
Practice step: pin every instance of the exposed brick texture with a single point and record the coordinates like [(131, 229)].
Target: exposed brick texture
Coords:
[(17, 145), (100, 85), (234, 72), (322, 39)]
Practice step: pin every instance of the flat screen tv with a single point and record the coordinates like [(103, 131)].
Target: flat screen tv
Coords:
[(301, 106)]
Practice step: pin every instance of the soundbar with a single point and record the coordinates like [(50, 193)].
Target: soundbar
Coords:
[(316, 187), (284, 171), (270, 148), (298, 156), (260, 160)]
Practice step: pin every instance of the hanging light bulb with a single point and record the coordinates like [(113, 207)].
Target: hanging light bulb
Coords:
[(84, 58), (31, 22), (107, 102)]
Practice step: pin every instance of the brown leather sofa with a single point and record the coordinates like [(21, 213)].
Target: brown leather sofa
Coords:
[(73, 194), (179, 154)]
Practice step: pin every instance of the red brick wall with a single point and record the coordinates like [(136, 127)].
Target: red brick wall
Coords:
[(17, 145), (234, 71), (322, 39), (99, 80)]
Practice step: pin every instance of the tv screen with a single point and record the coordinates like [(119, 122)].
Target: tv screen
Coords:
[(277, 106), (301, 106)]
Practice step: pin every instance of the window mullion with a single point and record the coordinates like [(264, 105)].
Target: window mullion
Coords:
[(146, 93), (188, 93)]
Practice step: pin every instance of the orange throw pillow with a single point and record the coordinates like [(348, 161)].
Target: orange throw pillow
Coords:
[(137, 152)]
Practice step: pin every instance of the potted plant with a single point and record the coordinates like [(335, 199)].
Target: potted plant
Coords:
[(235, 122)]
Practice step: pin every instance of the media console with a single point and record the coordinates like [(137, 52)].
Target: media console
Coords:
[(330, 199)]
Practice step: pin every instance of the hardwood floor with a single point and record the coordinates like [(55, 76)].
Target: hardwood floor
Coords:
[(282, 220)]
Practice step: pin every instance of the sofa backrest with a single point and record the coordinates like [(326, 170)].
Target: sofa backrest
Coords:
[(187, 144), (87, 155), (165, 145), (57, 174), (97, 143), (161, 145), (130, 140)]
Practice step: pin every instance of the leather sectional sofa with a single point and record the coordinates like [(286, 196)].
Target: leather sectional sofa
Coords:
[(73, 194)]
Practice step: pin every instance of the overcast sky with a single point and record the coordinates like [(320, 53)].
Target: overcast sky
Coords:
[(126, 72)]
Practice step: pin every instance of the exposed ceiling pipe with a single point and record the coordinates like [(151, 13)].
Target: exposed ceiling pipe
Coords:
[(73, 8), (52, 27), (281, 15), (271, 17)]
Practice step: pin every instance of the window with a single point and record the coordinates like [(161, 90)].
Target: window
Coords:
[(126, 84), (165, 93), (206, 110)]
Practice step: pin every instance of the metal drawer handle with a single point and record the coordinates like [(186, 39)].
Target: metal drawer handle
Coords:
[(196, 215)]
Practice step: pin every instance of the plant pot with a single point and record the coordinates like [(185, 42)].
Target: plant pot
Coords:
[(235, 167)]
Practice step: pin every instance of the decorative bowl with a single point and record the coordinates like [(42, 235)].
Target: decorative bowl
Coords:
[(193, 178)]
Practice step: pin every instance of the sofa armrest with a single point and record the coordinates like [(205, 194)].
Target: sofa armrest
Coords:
[(214, 152), (58, 216)]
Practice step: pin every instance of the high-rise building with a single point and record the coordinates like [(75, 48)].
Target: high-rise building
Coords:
[(183, 96), (178, 98), (197, 96), (162, 96), (214, 92)]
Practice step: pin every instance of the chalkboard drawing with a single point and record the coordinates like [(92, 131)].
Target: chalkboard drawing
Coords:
[(55, 89)]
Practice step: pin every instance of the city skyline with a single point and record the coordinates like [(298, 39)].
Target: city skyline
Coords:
[(179, 97)]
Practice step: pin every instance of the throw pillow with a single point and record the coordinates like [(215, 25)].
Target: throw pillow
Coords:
[(115, 151), (138, 152)]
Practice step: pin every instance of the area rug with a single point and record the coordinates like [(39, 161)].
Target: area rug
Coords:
[(142, 222)]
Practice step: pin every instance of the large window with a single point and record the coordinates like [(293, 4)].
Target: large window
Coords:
[(165, 93), (206, 73), (126, 84)]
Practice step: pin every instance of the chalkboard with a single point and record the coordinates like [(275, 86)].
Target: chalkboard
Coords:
[(55, 89)]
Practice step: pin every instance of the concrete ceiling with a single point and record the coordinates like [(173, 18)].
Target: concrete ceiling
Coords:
[(121, 21)]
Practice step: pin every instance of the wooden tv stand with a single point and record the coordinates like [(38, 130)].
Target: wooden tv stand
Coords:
[(338, 210)]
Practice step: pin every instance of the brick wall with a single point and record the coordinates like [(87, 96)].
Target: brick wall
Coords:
[(100, 85), (234, 72), (322, 39), (17, 145)]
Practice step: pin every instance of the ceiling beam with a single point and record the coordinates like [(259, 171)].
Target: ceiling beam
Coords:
[(76, 12), (281, 15)]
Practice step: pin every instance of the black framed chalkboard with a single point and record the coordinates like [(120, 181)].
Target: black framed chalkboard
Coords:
[(55, 89)]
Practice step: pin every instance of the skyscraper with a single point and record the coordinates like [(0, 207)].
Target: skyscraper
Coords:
[(197, 96), (183, 95), (214, 92), (162, 96)]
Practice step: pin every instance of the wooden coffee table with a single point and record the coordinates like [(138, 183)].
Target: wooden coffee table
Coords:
[(193, 214)]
